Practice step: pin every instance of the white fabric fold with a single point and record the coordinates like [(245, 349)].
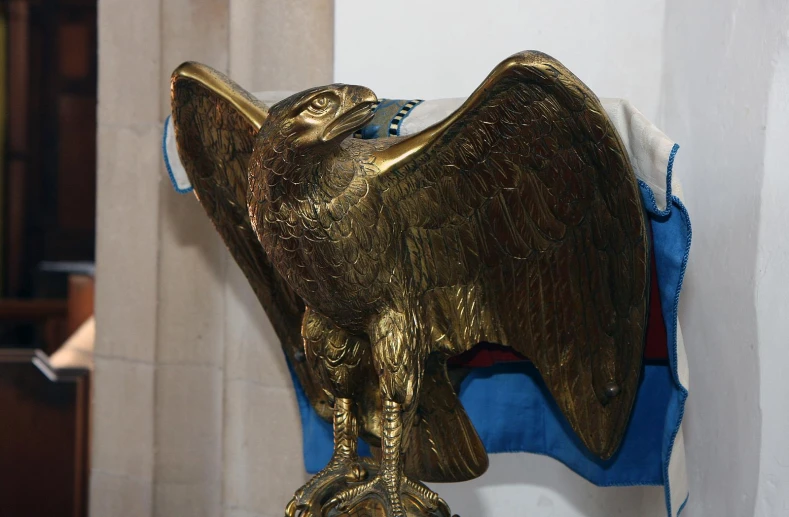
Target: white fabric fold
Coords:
[(648, 148)]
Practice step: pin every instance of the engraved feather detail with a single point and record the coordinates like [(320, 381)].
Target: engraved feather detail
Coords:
[(517, 220)]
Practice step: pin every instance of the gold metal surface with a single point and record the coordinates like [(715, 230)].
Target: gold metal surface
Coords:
[(516, 220)]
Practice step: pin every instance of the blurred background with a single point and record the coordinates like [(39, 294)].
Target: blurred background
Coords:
[(48, 100), (48, 171), (180, 402)]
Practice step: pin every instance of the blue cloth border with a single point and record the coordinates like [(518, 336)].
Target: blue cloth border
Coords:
[(679, 409)]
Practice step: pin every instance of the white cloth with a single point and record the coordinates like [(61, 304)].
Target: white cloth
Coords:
[(646, 145)]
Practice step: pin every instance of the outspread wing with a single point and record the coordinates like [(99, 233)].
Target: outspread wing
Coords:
[(215, 123), (525, 227)]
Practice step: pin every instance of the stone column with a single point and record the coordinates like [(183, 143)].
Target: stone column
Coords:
[(194, 412)]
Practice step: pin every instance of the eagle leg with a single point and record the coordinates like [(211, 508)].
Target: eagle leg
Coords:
[(344, 467), (398, 358), (338, 360), (400, 496)]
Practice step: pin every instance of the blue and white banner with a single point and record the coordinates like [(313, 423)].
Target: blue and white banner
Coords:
[(508, 402)]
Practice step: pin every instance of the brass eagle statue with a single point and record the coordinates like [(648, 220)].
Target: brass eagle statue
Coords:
[(516, 220)]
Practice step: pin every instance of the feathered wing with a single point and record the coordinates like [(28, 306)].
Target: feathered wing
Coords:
[(525, 227), (443, 445), (215, 123)]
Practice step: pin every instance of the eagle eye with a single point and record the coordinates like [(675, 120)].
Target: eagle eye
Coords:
[(319, 104)]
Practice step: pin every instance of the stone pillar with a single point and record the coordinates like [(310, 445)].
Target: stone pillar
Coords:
[(194, 410)]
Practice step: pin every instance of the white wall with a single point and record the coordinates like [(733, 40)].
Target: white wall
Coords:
[(434, 49), (190, 391), (724, 102), (445, 49), (772, 303)]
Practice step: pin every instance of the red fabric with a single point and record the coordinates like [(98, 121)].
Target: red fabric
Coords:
[(657, 338), (485, 354), (488, 354)]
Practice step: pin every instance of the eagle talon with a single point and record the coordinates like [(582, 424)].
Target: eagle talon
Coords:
[(409, 499), (307, 500), (378, 488), (423, 495), (294, 508)]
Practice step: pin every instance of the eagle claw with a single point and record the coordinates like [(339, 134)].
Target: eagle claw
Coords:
[(307, 500), (411, 499)]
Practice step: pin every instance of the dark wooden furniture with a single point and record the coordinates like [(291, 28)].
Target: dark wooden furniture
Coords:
[(47, 214), (50, 161), (44, 435), (45, 410), (49, 316)]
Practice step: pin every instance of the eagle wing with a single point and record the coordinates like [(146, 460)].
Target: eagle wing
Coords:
[(524, 226), (215, 123)]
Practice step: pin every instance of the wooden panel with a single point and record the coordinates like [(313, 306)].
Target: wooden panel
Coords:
[(74, 50), (18, 87), (49, 316), (50, 190), (43, 439), (32, 310), (80, 301), (76, 164), (15, 228), (3, 118)]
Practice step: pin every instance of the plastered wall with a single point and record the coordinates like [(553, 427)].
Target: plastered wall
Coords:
[(723, 97), (194, 409)]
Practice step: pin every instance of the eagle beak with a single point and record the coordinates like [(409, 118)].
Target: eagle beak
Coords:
[(361, 101)]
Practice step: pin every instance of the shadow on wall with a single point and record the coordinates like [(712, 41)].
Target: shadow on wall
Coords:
[(772, 303), (717, 71), (547, 491)]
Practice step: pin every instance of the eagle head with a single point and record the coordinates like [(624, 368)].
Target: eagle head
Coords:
[(321, 116)]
